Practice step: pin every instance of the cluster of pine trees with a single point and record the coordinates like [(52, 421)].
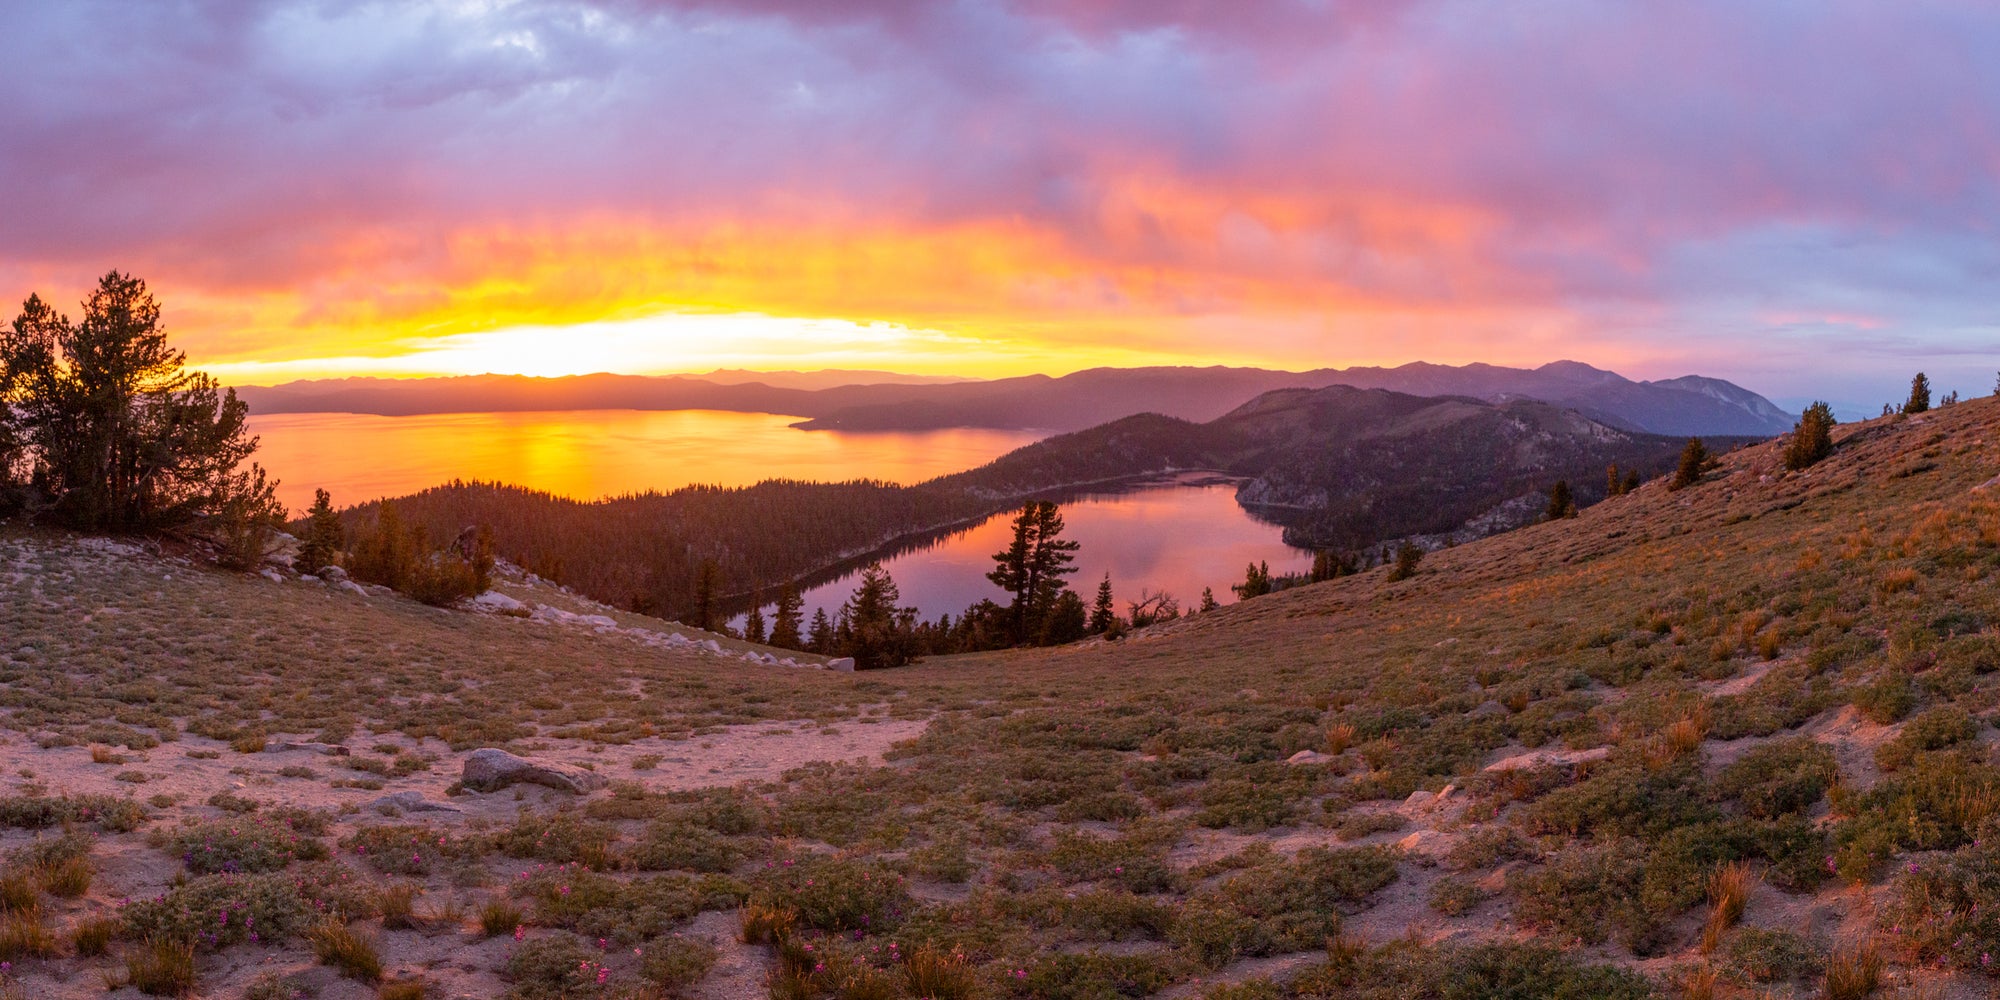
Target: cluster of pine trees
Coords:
[(103, 428)]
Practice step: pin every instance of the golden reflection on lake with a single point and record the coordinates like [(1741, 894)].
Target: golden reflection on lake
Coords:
[(588, 454)]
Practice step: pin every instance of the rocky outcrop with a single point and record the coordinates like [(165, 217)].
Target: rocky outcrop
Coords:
[(489, 770)]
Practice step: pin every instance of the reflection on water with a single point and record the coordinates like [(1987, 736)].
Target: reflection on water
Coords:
[(1174, 537), (588, 454)]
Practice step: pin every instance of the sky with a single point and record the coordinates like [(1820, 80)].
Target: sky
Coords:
[(1798, 195)]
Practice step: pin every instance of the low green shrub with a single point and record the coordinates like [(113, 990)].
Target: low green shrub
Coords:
[(835, 894), (1936, 729), (245, 844), (1780, 777)]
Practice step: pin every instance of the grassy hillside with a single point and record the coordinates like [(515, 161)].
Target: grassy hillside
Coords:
[(1732, 740)]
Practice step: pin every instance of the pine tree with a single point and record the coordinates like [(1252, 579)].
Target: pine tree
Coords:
[(1208, 601), (1103, 614), (1032, 566), (707, 584), (1695, 460), (1065, 622), (1256, 581), (1613, 484), (878, 632), (753, 622), (1631, 481), (1812, 437), (118, 435), (324, 536), (1407, 558), (1562, 503), (820, 638), (1920, 395), (785, 621)]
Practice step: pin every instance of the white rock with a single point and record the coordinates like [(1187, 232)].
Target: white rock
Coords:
[(355, 587), (1544, 758), (271, 575), (845, 663), (332, 573), (1308, 757), (496, 601), (711, 645)]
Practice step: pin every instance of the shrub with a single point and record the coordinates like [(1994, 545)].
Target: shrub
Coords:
[(1934, 804), (1780, 777), (1888, 699), (1456, 895), (677, 963), (406, 850), (162, 967), (833, 894), (353, 953), (1940, 727), (1625, 795), (39, 812), (560, 967), (244, 844), (681, 846), (562, 839), (1136, 863), (1948, 906), (216, 911), (1281, 906), (1769, 956)]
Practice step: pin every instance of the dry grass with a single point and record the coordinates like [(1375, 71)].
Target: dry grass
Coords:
[(161, 967), (763, 923), (499, 916), (92, 936), (356, 955), (939, 976), (1728, 892), (1853, 971)]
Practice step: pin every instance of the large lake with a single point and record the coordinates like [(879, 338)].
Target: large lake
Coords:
[(588, 454), (1177, 536)]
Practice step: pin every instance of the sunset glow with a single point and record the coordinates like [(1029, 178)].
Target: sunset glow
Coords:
[(996, 187)]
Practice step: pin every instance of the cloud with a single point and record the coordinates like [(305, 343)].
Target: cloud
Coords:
[(1459, 179)]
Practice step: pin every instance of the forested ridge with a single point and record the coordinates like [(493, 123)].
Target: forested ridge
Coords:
[(1340, 467)]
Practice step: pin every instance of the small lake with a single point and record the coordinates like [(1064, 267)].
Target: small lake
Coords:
[(1176, 535), (588, 454)]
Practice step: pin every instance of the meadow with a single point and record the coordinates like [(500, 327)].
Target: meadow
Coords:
[(1731, 740)]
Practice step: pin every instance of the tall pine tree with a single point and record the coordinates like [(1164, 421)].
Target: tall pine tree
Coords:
[(324, 536), (1103, 613), (785, 620)]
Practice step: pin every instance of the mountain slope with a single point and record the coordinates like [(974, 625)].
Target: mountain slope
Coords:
[(1516, 773), (1684, 406)]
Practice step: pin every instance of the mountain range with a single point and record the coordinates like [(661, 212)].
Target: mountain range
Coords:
[(1689, 405)]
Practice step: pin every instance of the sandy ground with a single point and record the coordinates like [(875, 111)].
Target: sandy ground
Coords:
[(461, 964)]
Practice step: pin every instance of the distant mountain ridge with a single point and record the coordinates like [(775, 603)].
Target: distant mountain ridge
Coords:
[(1689, 405)]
